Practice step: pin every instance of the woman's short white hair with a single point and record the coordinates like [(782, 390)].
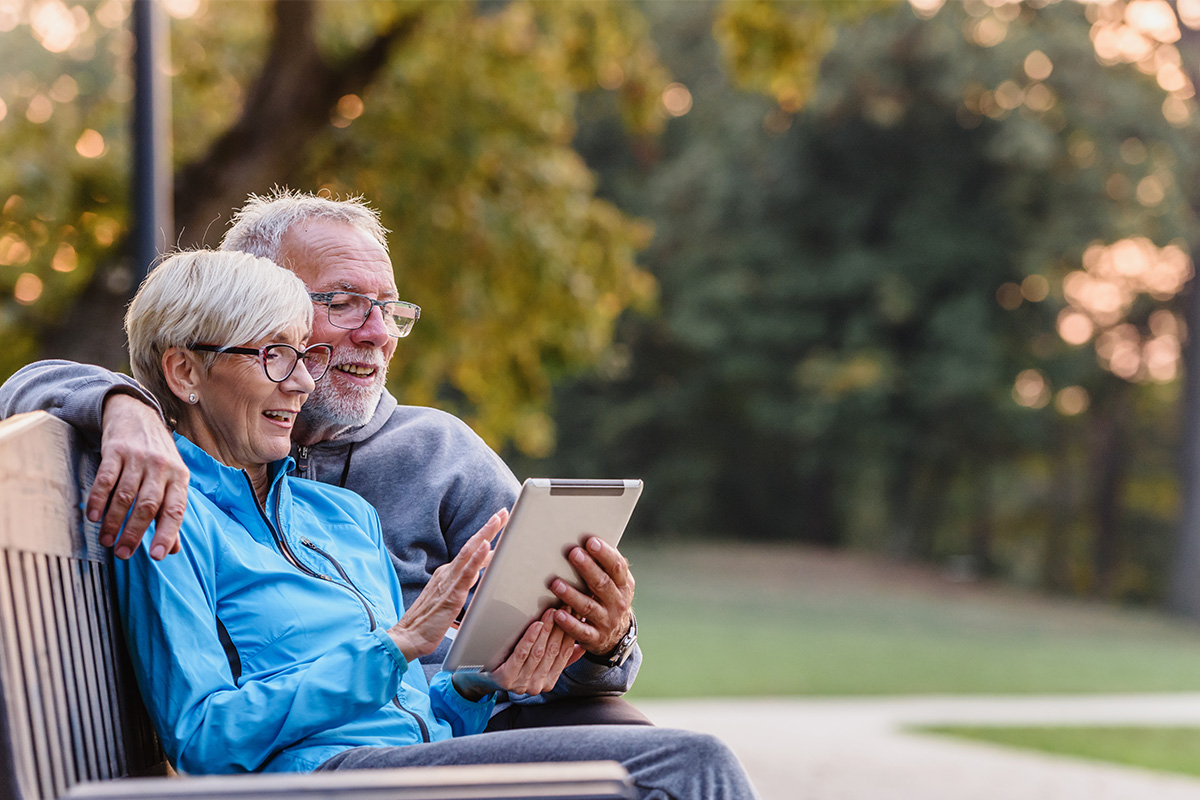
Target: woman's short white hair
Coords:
[(258, 227), (208, 297)]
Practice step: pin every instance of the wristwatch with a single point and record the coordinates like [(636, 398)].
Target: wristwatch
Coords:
[(619, 654)]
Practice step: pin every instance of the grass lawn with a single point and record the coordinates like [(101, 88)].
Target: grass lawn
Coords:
[(1168, 749), (719, 620)]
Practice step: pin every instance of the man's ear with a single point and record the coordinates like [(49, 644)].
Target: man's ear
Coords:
[(182, 372)]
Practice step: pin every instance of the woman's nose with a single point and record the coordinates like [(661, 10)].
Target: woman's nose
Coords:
[(300, 380)]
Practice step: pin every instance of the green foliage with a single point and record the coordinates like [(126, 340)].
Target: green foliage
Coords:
[(831, 362), (463, 140), (498, 233), (777, 47)]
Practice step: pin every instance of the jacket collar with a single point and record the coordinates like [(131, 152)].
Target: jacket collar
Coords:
[(226, 486)]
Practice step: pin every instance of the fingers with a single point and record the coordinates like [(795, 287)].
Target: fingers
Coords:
[(168, 522), (424, 623), (603, 569), (141, 479), (538, 659), (601, 618)]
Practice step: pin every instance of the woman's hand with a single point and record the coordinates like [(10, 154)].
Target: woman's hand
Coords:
[(533, 666), (421, 629)]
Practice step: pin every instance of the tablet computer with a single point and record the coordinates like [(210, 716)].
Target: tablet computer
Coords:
[(550, 517)]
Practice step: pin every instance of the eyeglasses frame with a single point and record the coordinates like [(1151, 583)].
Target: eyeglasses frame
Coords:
[(326, 299), (261, 352)]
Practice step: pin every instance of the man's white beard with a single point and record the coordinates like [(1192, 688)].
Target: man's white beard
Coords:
[(337, 404)]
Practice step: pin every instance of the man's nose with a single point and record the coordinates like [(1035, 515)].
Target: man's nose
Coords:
[(372, 332)]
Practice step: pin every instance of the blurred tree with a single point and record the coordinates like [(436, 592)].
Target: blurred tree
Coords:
[(455, 119), (854, 296)]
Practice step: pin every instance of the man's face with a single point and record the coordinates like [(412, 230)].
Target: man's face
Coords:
[(333, 256)]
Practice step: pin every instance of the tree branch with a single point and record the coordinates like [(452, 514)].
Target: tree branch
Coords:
[(288, 104)]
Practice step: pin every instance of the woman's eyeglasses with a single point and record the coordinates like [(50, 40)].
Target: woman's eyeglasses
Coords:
[(279, 360)]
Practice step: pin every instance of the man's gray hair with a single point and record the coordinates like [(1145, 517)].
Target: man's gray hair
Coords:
[(259, 226), (208, 297)]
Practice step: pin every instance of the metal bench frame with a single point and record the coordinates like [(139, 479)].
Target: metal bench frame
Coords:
[(71, 718)]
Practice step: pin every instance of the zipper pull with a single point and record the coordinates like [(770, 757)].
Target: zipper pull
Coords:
[(302, 460), (308, 543)]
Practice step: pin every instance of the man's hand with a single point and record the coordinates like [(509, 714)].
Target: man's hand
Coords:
[(600, 621), (533, 667), (139, 468)]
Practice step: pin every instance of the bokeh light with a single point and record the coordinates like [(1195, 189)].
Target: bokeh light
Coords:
[(1009, 296), (1038, 66), (1072, 400), (65, 258), (39, 110), (90, 144), (1035, 288), (56, 27), (1100, 295), (927, 9), (14, 251), (28, 289), (1074, 327), (676, 99), (1030, 389)]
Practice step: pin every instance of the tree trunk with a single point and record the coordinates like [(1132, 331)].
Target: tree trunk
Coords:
[(1056, 564), (1183, 591), (1110, 462), (287, 106)]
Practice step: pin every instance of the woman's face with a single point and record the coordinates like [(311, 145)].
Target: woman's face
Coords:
[(241, 417)]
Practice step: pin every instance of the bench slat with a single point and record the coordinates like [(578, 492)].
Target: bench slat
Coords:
[(64, 612), (45, 634), (597, 780), (24, 776)]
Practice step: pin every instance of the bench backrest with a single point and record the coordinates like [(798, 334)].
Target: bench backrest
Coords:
[(69, 706)]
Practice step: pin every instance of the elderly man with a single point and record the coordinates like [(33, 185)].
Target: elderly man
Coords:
[(433, 481)]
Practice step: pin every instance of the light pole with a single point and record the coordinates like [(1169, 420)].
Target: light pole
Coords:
[(154, 227)]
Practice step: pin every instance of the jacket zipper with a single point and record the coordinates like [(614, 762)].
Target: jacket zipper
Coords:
[(302, 461), (295, 562), (414, 715), (291, 557), (349, 583)]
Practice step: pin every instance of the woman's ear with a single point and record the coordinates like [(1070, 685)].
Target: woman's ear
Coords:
[(182, 372)]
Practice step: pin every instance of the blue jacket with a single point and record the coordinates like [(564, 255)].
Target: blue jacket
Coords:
[(262, 646)]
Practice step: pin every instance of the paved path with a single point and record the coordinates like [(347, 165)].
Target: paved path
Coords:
[(857, 749)]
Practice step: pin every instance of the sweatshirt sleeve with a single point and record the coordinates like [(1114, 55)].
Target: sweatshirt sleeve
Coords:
[(75, 393), (208, 721)]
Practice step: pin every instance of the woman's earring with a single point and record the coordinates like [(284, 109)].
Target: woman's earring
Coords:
[(192, 398)]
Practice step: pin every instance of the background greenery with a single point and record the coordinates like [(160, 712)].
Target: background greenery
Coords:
[(900, 277), (728, 620), (1168, 749)]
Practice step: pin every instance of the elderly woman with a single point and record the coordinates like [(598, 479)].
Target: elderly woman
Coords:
[(277, 640)]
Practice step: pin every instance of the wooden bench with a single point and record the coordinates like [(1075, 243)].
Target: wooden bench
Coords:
[(71, 718)]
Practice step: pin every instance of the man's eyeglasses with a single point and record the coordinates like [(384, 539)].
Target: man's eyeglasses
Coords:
[(349, 311), (279, 360)]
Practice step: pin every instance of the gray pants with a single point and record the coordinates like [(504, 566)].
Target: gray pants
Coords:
[(665, 764)]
